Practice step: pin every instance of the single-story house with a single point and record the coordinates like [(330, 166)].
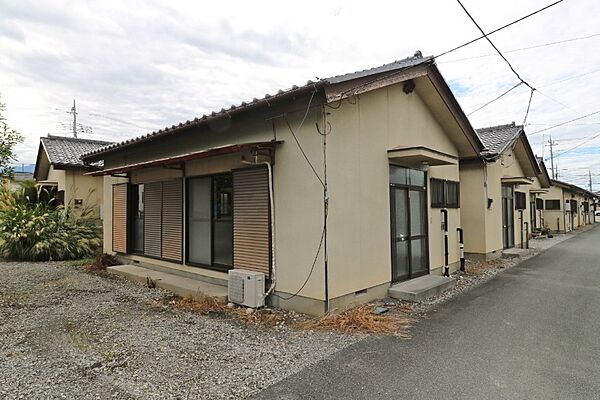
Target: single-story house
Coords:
[(496, 187), (335, 190), (567, 207), (540, 185), (59, 165)]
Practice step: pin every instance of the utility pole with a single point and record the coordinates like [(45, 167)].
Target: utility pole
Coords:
[(590, 175), (74, 112), (552, 143)]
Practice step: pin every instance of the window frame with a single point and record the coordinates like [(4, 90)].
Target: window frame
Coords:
[(213, 266), (520, 200), (552, 201), (445, 183)]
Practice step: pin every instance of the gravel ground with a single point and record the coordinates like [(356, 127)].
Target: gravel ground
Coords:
[(75, 335)]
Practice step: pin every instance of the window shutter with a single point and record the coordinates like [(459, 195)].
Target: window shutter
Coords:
[(251, 220), (172, 218), (119, 218), (152, 219)]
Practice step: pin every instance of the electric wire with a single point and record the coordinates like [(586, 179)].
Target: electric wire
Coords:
[(528, 106), (595, 136), (523, 48), (287, 122), (563, 123), (498, 29), (309, 273), (495, 99), (494, 46)]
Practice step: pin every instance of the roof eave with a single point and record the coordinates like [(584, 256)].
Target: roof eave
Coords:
[(99, 154)]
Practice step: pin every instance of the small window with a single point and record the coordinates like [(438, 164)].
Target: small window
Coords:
[(586, 206), (573, 206), (520, 203), (445, 194), (539, 204), (437, 193), (552, 204), (453, 194)]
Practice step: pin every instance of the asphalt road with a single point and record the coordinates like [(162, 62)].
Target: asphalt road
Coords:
[(533, 332)]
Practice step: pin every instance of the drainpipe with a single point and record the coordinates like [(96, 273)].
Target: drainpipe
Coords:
[(445, 231), (272, 213), (461, 247), (526, 235), (521, 225), (558, 225)]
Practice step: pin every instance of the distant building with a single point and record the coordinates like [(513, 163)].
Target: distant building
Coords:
[(59, 165)]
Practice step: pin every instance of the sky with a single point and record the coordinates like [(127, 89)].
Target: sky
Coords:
[(138, 66)]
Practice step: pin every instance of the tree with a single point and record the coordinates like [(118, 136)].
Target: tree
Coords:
[(9, 138)]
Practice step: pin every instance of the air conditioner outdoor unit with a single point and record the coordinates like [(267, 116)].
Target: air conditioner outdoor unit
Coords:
[(246, 288)]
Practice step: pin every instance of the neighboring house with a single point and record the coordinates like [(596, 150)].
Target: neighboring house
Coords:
[(18, 177), (567, 207), (59, 165), (497, 187), (540, 185), (383, 146)]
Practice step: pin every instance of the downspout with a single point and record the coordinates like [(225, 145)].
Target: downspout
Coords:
[(445, 233), (461, 248), (521, 226), (272, 212), (272, 220)]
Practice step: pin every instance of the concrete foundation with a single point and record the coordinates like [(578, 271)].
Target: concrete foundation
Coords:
[(179, 285)]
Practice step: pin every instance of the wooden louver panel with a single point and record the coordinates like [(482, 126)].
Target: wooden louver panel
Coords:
[(251, 220), (172, 220), (119, 218), (152, 219)]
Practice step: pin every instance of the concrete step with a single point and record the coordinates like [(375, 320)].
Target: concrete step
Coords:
[(177, 284), (419, 289), (516, 252)]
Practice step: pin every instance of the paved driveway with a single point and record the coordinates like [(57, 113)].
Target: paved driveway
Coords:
[(533, 332)]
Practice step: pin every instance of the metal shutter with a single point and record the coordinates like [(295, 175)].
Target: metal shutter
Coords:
[(152, 219), (119, 218), (172, 217), (251, 223)]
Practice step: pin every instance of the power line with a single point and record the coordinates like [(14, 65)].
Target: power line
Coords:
[(524, 48), (528, 106), (494, 46), (563, 123), (579, 145), (497, 98), (498, 29)]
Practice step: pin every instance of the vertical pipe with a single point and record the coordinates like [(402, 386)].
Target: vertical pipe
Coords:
[(521, 226), (526, 235), (445, 232), (461, 247), (558, 225)]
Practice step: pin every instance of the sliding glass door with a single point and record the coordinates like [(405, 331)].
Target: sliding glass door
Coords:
[(210, 221)]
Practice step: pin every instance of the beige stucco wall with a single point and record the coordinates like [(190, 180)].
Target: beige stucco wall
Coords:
[(358, 237), (480, 182), (77, 185), (362, 132), (555, 219)]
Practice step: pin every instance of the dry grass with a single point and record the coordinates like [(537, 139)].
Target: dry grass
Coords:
[(360, 320), (480, 268), (200, 304)]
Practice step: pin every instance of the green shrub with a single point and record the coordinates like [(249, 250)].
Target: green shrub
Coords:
[(39, 233)]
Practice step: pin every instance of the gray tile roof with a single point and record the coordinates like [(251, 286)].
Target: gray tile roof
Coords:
[(408, 62), (497, 139), (67, 151)]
